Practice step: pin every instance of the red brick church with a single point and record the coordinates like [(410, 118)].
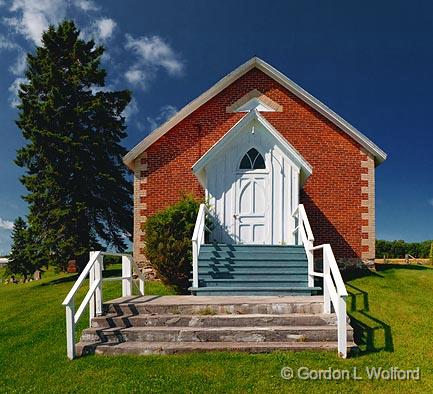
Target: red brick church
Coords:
[(257, 145)]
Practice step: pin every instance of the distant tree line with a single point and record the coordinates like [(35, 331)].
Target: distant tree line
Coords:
[(398, 249)]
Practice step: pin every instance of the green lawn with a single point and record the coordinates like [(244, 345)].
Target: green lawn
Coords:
[(392, 311)]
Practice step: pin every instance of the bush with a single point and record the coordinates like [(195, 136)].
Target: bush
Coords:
[(168, 242)]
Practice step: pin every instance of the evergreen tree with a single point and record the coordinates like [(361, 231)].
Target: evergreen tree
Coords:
[(78, 194), (431, 253), (20, 262)]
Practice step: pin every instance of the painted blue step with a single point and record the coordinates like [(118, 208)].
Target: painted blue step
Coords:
[(254, 270), (257, 277), (254, 291), (251, 283), (224, 248), (254, 259)]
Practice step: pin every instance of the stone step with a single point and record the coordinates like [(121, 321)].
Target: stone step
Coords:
[(254, 290), (214, 334), (228, 320), (199, 304), (148, 348)]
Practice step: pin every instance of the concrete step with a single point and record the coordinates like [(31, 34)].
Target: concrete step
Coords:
[(148, 348), (214, 334), (228, 320), (254, 290), (215, 304)]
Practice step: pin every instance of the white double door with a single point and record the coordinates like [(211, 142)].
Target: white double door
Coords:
[(252, 208)]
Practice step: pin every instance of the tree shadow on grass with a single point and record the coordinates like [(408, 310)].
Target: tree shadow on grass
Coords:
[(109, 272), (416, 267), (370, 334)]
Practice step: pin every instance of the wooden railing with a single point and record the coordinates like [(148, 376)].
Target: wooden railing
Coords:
[(198, 239), (93, 297), (334, 290)]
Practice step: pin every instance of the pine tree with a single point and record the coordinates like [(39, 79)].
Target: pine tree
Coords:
[(20, 262), (78, 193)]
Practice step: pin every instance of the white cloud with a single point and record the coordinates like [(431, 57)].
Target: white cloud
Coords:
[(101, 30), (86, 5), (131, 109), (6, 44), (165, 113), (35, 16), (106, 27), (6, 224), (152, 53), (13, 91), (20, 64)]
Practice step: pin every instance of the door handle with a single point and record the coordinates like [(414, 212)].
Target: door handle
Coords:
[(235, 216)]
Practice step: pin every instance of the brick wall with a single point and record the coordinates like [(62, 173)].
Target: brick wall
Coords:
[(339, 196)]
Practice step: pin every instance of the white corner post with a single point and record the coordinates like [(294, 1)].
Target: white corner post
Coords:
[(70, 330), (98, 267), (194, 263), (126, 276), (342, 328), (92, 305), (310, 259), (326, 277)]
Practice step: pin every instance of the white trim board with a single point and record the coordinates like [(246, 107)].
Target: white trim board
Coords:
[(258, 63), (200, 164)]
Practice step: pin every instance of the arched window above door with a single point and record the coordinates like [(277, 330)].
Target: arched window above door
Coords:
[(252, 160)]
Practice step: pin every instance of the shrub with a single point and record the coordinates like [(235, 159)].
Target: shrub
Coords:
[(168, 242)]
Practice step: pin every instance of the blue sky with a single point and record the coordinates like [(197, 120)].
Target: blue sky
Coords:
[(369, 61)]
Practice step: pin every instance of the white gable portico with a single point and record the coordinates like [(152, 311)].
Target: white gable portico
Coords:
[(252, 177)]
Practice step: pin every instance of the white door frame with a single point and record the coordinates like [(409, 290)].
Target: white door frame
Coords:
[(218, 171)]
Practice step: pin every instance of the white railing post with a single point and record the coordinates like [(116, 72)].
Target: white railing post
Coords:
[(92, 299), (70, 330), (326, 274), (127, 276), (194, 263), (300, 227), (342, 327), (310, 259), (98, 277)]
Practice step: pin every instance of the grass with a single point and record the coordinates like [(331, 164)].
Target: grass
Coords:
[(391, 311)]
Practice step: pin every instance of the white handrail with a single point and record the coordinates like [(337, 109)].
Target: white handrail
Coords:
[(333, 294), (198, 240), (305, 237), (93, 297), (81, 278)]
